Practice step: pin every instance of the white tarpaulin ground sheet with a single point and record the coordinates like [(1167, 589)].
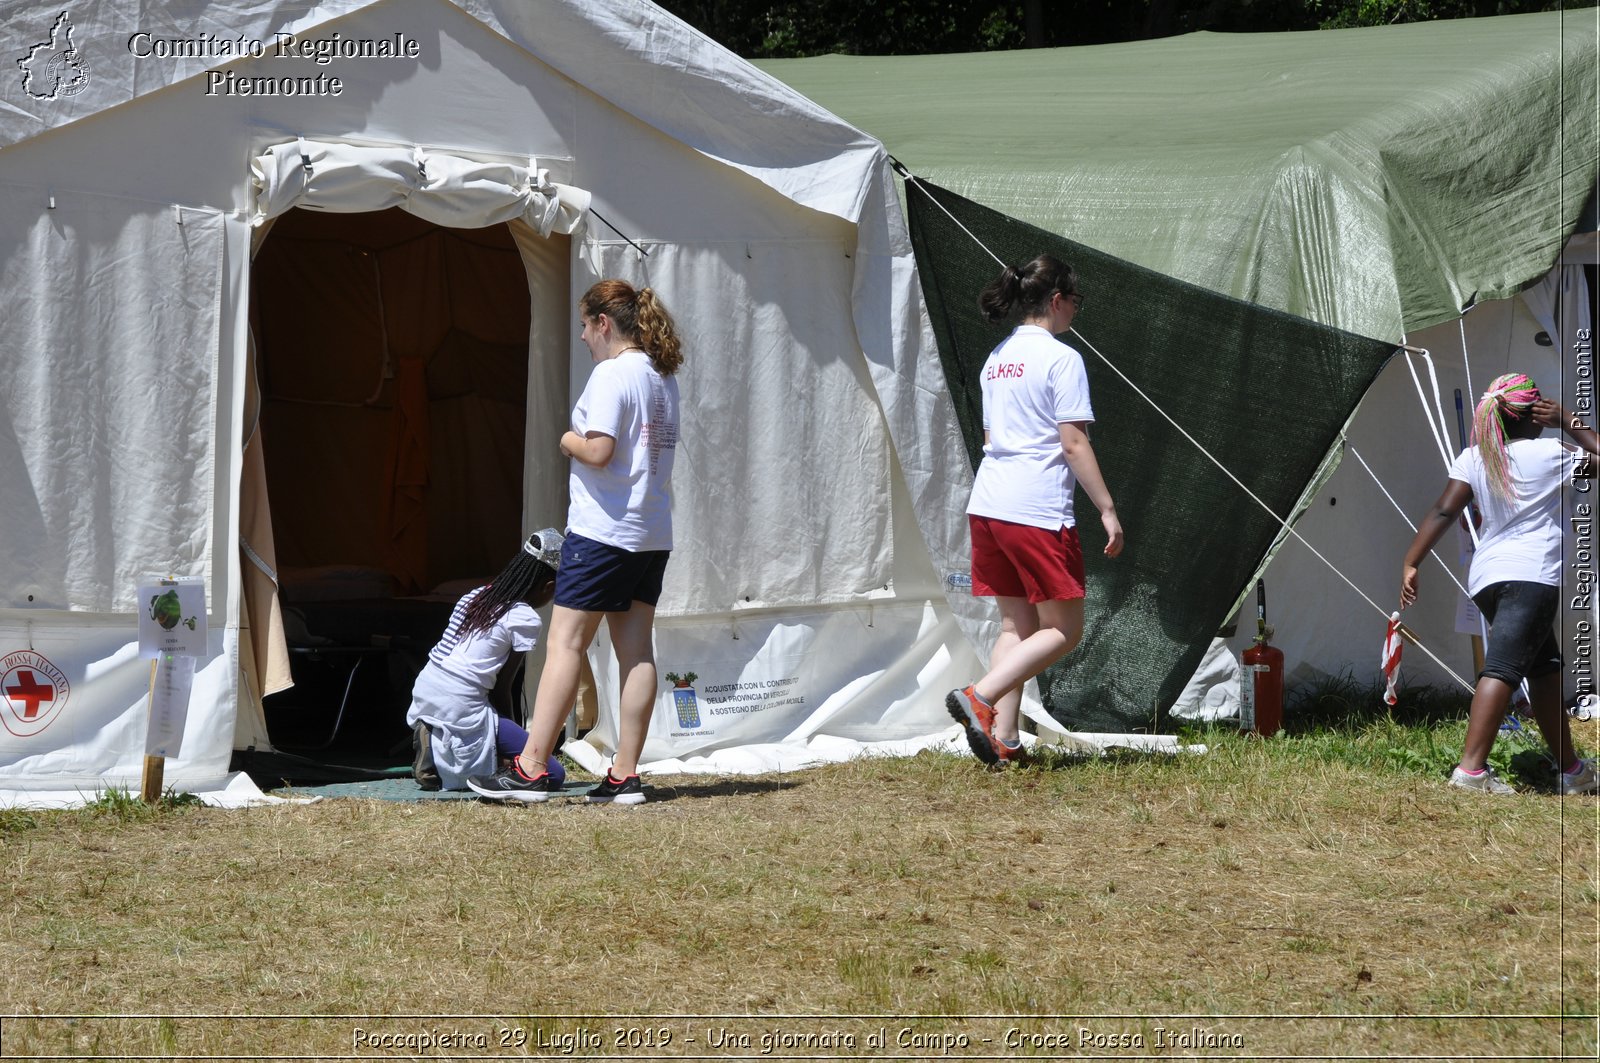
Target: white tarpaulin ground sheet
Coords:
[(233, 791)]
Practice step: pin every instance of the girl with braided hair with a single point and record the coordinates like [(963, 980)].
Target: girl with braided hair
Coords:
[(1515, 478), (455, 729), (623, 438)]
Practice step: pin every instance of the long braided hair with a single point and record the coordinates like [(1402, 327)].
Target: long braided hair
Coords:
[(524, 579), (1509, 398)]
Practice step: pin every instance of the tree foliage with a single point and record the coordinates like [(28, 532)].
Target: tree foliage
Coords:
[(774, 29)]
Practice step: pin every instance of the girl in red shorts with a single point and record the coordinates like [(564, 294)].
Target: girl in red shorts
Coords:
[(1036, 450)]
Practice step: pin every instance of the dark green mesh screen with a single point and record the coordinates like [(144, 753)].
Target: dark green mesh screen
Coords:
[(1265, 392)]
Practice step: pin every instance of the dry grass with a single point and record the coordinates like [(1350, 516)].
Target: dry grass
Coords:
[(1117, 896)]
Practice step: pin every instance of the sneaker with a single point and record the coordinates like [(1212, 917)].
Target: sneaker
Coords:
[(1583, 781), (512, 784), (977, 720), (422, 767), (1009, 754), (1488, 782), (629, 791)]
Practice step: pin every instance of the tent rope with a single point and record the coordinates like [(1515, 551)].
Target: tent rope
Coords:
[(619, 232), (1432, 553), (1435, 427), (912, 180), (1466, 362)]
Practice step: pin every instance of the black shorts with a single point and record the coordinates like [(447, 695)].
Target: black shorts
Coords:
[(1522, 642), (599, 578)]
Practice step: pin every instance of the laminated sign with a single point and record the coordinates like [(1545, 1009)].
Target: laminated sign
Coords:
[(172, 632), (172, 618)]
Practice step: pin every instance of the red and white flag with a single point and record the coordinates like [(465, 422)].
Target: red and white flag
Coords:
[(1391, 660)]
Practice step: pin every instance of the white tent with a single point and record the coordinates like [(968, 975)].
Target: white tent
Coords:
[(145, 154)]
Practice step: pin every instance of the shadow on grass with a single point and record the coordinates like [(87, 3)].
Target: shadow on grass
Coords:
[(1341, 702), (657, 792), (1055, 758)]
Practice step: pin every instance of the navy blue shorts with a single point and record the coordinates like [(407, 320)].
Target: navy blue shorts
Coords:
[(597, 578), (1521, 643)]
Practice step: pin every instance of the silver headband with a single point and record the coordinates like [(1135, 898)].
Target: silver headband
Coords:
[(544, 545)]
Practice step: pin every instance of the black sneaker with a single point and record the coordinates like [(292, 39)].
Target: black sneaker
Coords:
[(422, 767), (512, 784), (629, 791)]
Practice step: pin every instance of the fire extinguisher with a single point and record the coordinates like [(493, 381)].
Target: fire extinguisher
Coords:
[(1261, 679)]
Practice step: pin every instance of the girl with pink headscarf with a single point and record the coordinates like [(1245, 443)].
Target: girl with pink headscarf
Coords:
[(1516, 479)]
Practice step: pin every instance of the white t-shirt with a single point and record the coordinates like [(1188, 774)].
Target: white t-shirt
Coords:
[(1519, 539), (479, 657), (628, 502), (1032, 383), (452, 694)]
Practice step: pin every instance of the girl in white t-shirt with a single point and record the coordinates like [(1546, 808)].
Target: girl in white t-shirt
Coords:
[(622, 442), (1025, 549), (456, 731), (1516, 480)]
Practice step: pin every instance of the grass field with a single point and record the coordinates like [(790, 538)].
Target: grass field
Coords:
[(1319, 895)]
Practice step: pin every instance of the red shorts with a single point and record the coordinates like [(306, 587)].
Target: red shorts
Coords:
[(1021, 561)]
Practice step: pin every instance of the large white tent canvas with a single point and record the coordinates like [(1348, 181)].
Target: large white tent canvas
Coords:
[(143, 159)]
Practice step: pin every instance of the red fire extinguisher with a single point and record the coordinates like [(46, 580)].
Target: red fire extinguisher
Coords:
[(1261, 679)]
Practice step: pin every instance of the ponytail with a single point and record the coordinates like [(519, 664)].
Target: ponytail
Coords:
[(1027, 288), (657, 333), (1510, 397), (1001, 295), (639, 318)]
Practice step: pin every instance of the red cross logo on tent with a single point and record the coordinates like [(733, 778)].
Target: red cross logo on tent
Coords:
[(33, 692), (30, 692)]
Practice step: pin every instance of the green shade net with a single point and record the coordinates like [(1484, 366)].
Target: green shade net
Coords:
[(1265, 392)]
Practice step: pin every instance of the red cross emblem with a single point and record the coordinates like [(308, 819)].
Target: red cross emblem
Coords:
[(33, 692), (30, 692)]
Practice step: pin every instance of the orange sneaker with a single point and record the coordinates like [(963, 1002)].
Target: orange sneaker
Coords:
[(977, 720), (1009, 754)]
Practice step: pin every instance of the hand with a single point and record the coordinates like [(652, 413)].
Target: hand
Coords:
[(1113, 528), (1408, 585), (1548, 413), (566, 447)]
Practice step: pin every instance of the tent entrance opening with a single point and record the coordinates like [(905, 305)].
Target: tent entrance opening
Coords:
[(392, 359)]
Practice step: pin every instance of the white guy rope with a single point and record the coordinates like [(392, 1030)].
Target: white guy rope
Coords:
[(1403, 516), (918, 185), (1435, 427)]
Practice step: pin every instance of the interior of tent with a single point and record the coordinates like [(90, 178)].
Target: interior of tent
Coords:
[(392, 358)]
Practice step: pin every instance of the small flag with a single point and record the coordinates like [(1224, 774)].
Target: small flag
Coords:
[(1391, 660)]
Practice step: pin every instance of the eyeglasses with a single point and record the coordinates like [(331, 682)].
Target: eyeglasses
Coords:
[(1076, 299)]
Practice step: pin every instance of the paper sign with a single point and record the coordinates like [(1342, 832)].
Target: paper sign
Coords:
[(172, 617), (169, 705)]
